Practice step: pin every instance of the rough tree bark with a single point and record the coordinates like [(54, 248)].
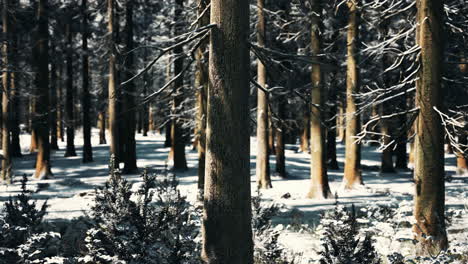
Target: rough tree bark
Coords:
[(263, 164), (69, 101), (429, 196), (226, 228), (86, 100), (41, 120), (319, 187), (352, 171)]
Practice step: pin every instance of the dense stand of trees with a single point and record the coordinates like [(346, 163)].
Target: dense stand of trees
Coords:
[(312, 72)]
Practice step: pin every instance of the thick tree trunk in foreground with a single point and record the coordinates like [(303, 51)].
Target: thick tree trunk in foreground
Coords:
[(263, 164), (130, 164), (227, 229), (201, 84), (319, 187), (112, 88), (352, 171), (6, 161), (86, 100), (41, 124), (69, 101), (429, 142), (177, 139)]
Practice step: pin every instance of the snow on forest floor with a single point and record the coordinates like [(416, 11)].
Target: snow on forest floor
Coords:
[(71, 191)]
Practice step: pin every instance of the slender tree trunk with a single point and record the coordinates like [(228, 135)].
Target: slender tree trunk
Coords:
[(263, 164), (280, 139), (387, 153), (69, 100), (319, 187), (305, 133), (352, 171), (226, 228), (112, 87), (332, 123), (87, 148), (271, 134), (168, 140), (201, 84), (6, 161), (340, 125), (130, 164), (429, 142), (41, 124), (401, 161), (53, 103), (177, 139), (15, 108), (60, 132), (151, 121), (102, 127)]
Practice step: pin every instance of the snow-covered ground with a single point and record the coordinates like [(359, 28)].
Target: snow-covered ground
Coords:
[(71, 191)]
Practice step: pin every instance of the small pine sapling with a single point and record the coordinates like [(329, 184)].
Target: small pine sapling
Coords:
[(341, 241)]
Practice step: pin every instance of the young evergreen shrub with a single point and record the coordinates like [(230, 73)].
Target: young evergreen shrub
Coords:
[(22, 235), (342, 242), (267, 248), (153, 225)]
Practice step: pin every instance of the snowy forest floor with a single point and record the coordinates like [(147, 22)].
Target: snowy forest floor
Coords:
[(71, 191)]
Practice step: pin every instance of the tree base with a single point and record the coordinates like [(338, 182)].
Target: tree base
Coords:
[(318, 192), (264, 185), (43, 172)]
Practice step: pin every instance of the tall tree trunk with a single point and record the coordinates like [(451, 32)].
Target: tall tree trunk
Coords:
[(340, 123), (86, 100), (41, 124), (112, 88), (387, 153), (332, 162), (429, 142), (280, 139), (59, 105), (263, 164), (319, 187), (130, 164), (201, 84), (53, 103), (352, 171), (15, 108), (6, 161), (69, 101), (226, 228), (305, 133), (177, 139), (401, 161)]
